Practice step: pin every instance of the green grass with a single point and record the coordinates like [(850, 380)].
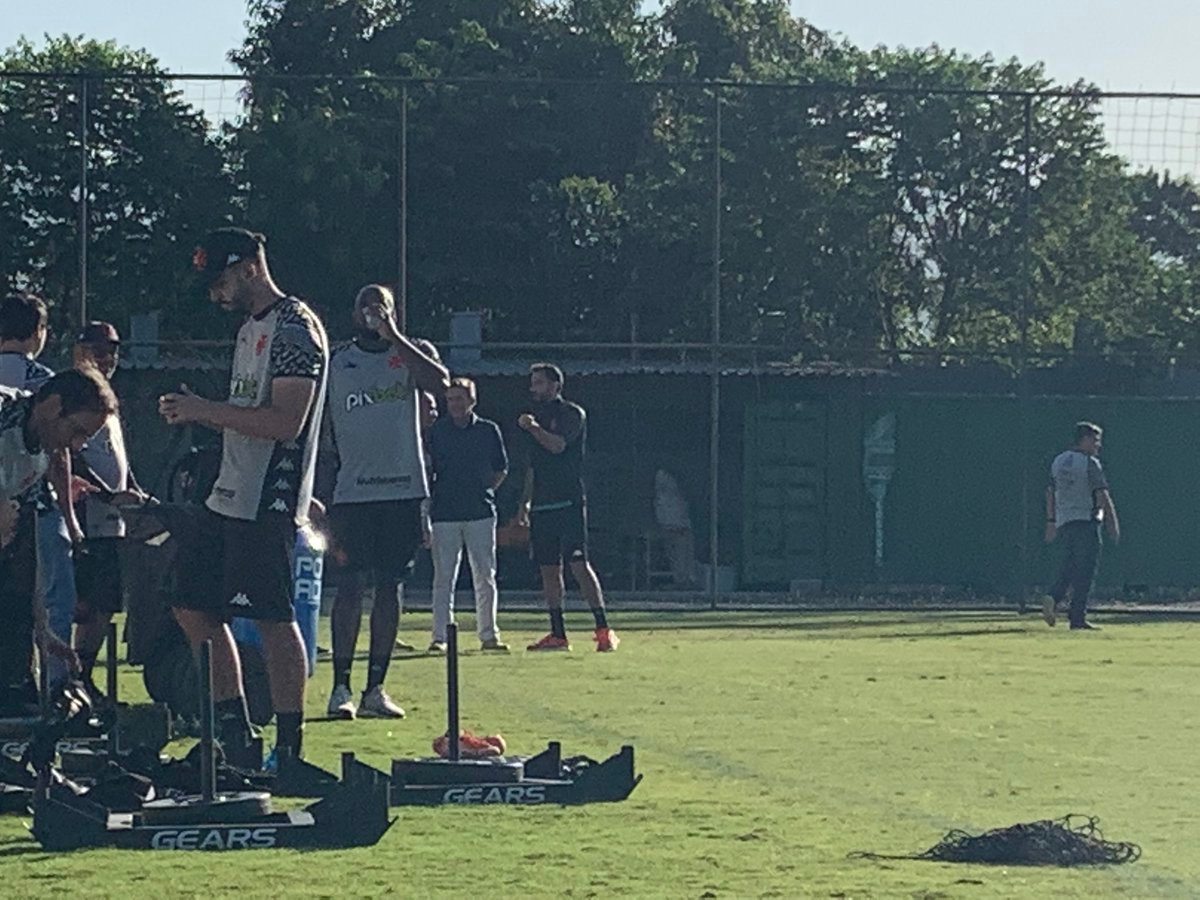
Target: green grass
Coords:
[(773, 746)]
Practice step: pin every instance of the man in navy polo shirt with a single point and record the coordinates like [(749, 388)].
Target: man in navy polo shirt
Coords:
[(468, 463)]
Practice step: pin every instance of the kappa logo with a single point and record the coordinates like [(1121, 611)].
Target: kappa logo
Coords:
[(507, 794), (286, 465), (240, 599), (278, 506), (283, 485), (214, 839)]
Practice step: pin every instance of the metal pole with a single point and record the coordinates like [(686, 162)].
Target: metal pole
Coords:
[(83, 201), (110, 671), (452, 726), (714, 437), (1023, 350), (402, 249), (208, 760)]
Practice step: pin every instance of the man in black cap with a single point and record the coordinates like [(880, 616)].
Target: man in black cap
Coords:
[(263, 493), (104, 465)]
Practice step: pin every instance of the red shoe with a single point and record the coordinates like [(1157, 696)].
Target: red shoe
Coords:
[(550, 642), (606, 640), (470, 746)]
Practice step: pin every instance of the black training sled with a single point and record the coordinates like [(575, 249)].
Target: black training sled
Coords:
[(354, 814), (546, 778)]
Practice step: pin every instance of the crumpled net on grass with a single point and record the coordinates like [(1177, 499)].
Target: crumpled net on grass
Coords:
[(1070, 841)]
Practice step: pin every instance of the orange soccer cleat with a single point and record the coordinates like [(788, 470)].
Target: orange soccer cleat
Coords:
[(550, 642)]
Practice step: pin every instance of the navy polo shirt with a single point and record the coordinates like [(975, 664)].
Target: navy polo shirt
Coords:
[(463, 460)]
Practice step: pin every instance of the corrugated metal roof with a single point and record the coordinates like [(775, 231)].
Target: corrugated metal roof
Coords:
[(218, 358)]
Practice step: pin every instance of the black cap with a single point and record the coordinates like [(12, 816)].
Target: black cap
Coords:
[(99, 333), (224, 247)]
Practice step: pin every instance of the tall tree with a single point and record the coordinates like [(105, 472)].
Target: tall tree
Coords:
[(155, 181)]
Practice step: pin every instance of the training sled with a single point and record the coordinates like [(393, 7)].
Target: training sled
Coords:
[(353, 813), (545, 778), (83, 742)]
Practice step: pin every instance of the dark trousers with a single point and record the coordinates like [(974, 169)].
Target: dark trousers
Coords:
[(1081, 557)]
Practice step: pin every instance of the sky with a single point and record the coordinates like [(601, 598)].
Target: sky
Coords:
[(1117, 44)]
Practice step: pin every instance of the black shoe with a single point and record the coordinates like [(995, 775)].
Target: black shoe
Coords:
[(1086, 626)]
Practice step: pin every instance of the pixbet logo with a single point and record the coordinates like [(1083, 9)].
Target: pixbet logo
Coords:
[(214, 839), (509, 794), (385, 394)]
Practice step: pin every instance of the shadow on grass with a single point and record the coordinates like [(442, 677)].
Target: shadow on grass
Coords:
[(23, 848), (713, 622)]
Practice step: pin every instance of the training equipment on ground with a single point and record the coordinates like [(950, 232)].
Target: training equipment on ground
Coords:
[(1070, 841), (90, 734), (544, 778), (355, 813)]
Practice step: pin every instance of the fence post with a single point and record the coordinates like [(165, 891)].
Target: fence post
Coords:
[(83, 201), (714, 449), (1023, 350), (402, 236)]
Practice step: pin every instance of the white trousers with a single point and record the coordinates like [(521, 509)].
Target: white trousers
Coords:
[(449, 538)]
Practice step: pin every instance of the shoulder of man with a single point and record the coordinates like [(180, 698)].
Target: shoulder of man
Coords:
[(10, 404), (36, 374)]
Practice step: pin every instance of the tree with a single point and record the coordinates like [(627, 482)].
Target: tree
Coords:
[(155, 174)]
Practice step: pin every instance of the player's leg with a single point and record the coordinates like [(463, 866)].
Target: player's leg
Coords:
[(447, 546), (545, 544), (397, 532), (480, 538), (100, 590), (264, 572), (18, 581), (575, 549), (349, 579), (56, 573), (201, 609), (1087, 563)]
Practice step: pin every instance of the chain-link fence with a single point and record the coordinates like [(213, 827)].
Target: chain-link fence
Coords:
[(733, 275)]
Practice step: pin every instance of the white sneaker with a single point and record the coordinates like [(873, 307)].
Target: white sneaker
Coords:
[(341, 703), (377, 704), (403, 646)]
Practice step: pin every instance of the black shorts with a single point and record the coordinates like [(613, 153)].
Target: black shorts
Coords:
[(380, 537), (238, 569), (558, 535), (98, 583)]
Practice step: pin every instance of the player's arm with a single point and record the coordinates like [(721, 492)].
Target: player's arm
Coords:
[(526, 497), (428, 374), (499, 461), (46, 638), (572, 428), (328, 461), (1104, 502), (281, 418), (1102, 498), (60, 478)]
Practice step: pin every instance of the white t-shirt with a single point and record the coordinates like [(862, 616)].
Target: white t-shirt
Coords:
[(258, 475), (1076, 477)]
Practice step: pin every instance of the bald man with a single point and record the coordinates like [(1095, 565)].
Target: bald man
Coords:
[(373, 448)]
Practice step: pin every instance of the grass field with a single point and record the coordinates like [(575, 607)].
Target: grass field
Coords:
[(773, 746)]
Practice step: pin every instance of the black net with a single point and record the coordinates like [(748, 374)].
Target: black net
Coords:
[(1069, 841)]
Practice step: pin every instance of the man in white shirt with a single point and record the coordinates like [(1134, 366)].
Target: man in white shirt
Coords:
[(1078, 501)]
